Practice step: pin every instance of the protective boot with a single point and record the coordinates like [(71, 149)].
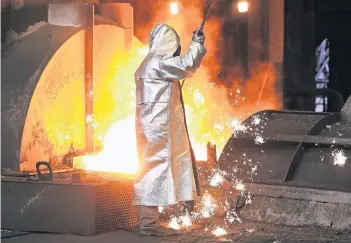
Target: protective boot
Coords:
[(150, 225)]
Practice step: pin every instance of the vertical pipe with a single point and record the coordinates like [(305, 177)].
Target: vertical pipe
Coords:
[(89, 82)]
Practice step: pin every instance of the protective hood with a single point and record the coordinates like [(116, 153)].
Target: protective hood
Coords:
[(163, 40)]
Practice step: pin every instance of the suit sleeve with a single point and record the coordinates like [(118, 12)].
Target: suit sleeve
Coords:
[(181, 67)]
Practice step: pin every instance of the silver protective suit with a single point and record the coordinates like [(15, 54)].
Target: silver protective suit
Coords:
[(166, 173)]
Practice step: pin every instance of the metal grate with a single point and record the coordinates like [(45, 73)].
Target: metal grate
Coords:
[(113, 207)]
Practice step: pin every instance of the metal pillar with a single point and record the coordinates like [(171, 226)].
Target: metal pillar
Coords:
[(80, 15), (89, 80)]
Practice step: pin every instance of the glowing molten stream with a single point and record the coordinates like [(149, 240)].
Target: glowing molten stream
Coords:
[(119, 150)]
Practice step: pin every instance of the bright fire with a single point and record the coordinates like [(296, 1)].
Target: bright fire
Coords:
[(56, 115), (114, 150)]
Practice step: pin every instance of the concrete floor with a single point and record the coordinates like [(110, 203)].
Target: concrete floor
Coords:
[(242, 233)]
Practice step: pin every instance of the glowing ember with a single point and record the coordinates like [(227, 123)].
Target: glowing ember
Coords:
[(339, 158), (173, 223), (219, 232)]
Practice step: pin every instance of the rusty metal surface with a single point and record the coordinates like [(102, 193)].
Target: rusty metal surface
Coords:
[(87, 208), (291, 148)]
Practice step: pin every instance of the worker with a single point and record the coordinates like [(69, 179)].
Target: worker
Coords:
[(166, 174)]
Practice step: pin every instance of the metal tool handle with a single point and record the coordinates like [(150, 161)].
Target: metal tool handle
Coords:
[(205, 17), (200, 29)]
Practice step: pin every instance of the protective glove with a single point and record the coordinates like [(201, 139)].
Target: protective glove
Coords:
[(199, 36)]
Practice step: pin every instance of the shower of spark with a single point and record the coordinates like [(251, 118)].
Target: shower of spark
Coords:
[(248, 198), (239, 185), (339, 158), (181, 222), (232, 216), (259, 140), (254, 169), (256, 120), (208, 205), (217, 179), (186, 221), (236, 125), (173, 223)]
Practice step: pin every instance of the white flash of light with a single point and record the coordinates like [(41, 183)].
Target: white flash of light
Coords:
[(174, 7), (243, 6)]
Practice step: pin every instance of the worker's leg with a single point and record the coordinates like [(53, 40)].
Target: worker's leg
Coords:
[(149, 223)]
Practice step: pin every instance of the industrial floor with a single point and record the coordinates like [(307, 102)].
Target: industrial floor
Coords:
[(242, 233)]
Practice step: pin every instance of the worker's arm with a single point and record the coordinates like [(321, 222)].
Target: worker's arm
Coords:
[(181, 67)]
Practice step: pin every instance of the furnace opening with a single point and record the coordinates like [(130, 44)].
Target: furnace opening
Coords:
[(55, 122)]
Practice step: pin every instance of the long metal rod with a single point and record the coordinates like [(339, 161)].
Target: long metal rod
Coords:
[(206, 14), (201, 28)]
